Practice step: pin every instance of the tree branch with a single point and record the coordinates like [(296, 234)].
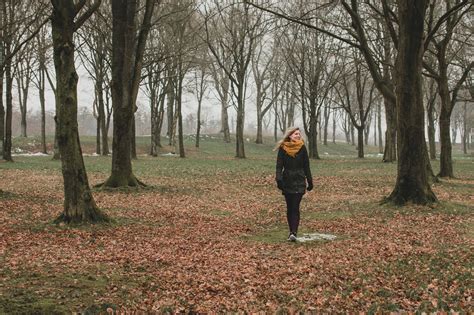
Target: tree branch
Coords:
[(80, 20), (295, 20)]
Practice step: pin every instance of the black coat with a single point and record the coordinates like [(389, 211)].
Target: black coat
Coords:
[(293, 172)]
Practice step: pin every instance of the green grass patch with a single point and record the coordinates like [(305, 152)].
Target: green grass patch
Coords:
[(52, 293), (327, 215)]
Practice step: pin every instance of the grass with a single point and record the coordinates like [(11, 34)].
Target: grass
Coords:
[(209, 235)]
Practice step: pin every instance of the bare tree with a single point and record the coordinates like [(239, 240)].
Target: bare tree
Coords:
[(79, 204), (267, 76), (201, 85), (23, 72), (412, 179), (127, 57), (95, 55), (356, 94), (432, 114), (156, 84), (439, 44), (239, 29), (18, 25), (43, 46)]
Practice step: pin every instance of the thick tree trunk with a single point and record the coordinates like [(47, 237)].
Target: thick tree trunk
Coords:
[(445, 156), (445, 159), (2, 113), (56, 152), (225, 120), (390, 152), (102, 119), (79, 205), (239, 134), (133, 139), (412, 183), (97, 136), (7, 145), (360, 142), (313, 131), (42, 82), (127, 56), (259, 139)]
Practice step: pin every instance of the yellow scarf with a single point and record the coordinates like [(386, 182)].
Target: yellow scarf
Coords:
[(292, 147)]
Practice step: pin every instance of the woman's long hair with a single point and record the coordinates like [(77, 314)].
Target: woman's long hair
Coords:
[(286, 137)]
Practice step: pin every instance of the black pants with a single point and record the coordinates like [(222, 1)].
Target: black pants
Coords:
[(293, 211)]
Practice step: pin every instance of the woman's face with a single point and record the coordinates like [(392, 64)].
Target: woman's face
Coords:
[(295, 136)]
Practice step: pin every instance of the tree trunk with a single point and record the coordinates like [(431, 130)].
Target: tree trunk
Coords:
[(127, 56), (313, 131), (225, 118), (56, 152), (179, 110), (334, 127), (412, 183), (375, 124), (390, 152), (445, 156), (154, 116), (101, 114), (170, 111), (465, 134), (2, 113), (7, 145), (326, 123), (431, 131), (239, 133), (360, 142), (97, 136), (275, 124), (41, 85), (22, 101), (352, 133), (379, 127), (198, 125), (446, 163), (133, 139), (259, 139), (79, 205)]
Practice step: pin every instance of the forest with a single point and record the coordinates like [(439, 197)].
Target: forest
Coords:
[(148, 182)]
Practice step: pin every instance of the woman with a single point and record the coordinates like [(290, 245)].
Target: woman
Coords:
[(292, 174)]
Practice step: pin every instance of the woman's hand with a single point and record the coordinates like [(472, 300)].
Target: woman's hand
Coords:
[(310, 186)]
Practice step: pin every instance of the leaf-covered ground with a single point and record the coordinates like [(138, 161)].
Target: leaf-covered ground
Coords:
[(209, 235)]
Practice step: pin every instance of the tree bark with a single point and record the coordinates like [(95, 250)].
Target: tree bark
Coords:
[(431, 126), (127, 56), (79, 204), (390, 151), (239, 132), (42, 81), (360, 142), (2, 112), (7, 145), (412, 183)]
